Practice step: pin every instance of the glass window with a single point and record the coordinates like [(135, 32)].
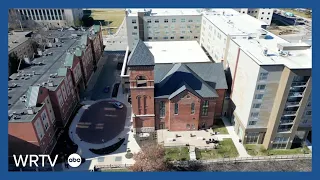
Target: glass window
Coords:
[(176, 108), (183, 20), (263, 76), (252, 123), (258, 96), (256, 106), (135, 27), (139, 104), (261, 87), (190, 20), (165, 20), (205, 107), (173, 20), (156, 21), (308, 113), (149, 20), (254, 114), (134, 21), (192, 108), (162, 109)]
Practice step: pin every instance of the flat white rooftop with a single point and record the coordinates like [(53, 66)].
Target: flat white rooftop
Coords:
[(231, 22), (177, 52), (164, 12), (296, 59)]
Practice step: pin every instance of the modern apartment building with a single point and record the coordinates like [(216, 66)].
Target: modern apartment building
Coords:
[(43, 96), (263, 14), (270, 90), (47, 17), (162, 25), (172, 89), (220, 26)]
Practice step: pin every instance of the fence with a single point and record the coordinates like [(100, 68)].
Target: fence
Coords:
[(112, 166), (246, 159)]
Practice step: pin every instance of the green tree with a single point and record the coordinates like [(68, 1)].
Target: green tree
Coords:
[(13, 63), (87, 21)]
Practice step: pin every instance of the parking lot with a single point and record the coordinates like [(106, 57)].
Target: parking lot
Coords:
[(101, 122)]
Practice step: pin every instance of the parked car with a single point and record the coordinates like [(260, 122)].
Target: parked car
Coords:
[(106, 89), (117, 105), (119, 66)]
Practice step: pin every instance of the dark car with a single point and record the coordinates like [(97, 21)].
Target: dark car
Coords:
[(106, 89), (129, 99), (119, 66)]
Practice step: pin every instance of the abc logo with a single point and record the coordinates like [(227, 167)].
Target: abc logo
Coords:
[(74, 160)]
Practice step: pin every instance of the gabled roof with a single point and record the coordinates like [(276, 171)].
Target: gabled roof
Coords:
[(32, 96), (78, 52), (84, 40), (96, 28), (69, 60), (141, 56), (62, 72), (184, 86), (179, 78)]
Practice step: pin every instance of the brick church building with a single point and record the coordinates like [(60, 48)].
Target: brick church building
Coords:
[(178, 96)]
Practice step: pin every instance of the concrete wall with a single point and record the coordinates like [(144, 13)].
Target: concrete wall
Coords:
[(244, 86)]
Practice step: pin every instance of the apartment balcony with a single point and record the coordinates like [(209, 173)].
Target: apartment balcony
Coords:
[(286, 130), (297, 89), (289, 113), (286, 122), (293, 104), (295, 94), (299, 84)]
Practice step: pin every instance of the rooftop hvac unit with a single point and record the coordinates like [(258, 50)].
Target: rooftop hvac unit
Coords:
[(49, 44), (265, 52), (30, 111), (26, 59), (50, 84)]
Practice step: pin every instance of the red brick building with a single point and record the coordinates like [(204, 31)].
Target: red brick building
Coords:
[(177, 97), (43, 97)]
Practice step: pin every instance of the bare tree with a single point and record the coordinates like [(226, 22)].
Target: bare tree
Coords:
[(150, 158)]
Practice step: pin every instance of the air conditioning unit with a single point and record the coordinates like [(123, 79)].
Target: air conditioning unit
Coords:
[(30, 111)]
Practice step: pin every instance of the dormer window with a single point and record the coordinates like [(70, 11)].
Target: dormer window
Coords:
[(141, 81)]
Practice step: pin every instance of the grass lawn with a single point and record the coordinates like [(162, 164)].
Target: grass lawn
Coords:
[(259, 150), (298, 13), (177, 153), (219, 127), (111, 17), (226, 148)]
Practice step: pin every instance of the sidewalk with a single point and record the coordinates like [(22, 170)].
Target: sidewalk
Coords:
[(241, 149)]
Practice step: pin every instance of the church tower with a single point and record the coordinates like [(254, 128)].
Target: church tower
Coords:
[(141, 70)]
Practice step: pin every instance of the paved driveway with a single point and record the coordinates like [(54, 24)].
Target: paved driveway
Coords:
[(101, 122), (108, 76)]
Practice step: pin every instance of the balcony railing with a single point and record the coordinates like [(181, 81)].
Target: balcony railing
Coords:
[(288, 104), (295, 94), (284, 130), (286, 121), (289, 113), (299, 84)]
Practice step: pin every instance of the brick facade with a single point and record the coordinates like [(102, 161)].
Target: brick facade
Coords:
[(184, 120)]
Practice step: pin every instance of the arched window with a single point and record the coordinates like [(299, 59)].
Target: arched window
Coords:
[(141, 81), (139, 104), (145, 104)]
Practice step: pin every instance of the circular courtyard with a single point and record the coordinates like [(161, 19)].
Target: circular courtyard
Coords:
[(101, 122)]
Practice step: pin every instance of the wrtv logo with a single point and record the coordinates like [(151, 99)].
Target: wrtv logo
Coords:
[(33, 160)]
